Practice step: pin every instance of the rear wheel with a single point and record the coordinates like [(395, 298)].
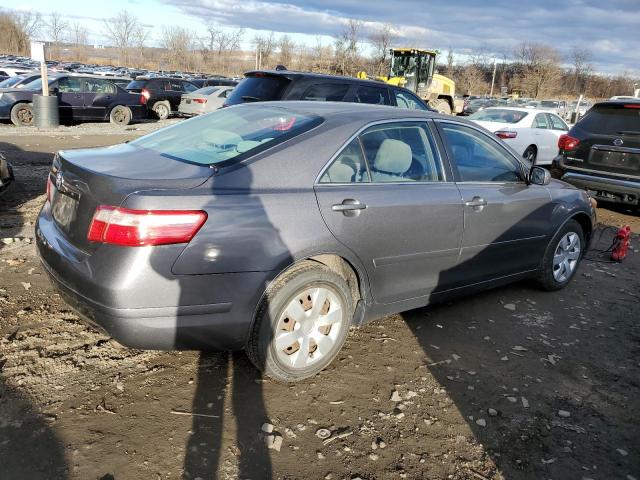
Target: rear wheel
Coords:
[(442, 106), (22, 115), (161, 110), (530, 154), (562, 257), (302, 323), (120, 115)]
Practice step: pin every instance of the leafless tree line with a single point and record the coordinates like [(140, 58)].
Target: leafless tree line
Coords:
[(532, 69)]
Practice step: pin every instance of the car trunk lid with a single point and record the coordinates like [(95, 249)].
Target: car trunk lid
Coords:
[(83, 179)]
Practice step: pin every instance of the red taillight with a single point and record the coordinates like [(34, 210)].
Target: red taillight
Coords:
[(632, 105), (506, 134), (137, 228), (200, 100), (144, 96), (567, 142)]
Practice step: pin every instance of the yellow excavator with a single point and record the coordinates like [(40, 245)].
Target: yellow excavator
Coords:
[(414, 69)]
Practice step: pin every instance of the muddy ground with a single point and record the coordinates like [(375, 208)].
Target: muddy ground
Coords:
[(512, 383)]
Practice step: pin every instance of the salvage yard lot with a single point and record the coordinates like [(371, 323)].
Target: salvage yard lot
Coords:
[(512, 383)]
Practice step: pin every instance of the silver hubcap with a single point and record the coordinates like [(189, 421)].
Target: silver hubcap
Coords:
[(566, 257), (308, 327)]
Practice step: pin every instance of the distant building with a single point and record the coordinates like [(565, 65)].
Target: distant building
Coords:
[(98, 46)]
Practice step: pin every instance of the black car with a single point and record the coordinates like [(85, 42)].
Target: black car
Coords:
[(161, 95), (601, 153), (214, 82), (80, 97), (268, 85)]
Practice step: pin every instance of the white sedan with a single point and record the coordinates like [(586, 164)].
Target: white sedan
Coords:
[(532, 133)]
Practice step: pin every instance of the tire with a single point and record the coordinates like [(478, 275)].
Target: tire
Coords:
[(282, 360), (120, 115), (442, 106), (569, 243), (22, 114), (162, 110), (530, 154)]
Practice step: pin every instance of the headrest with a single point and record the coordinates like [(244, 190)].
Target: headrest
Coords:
[(393, 156)]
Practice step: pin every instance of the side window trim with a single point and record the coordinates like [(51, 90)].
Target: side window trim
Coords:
[(447, 174), (456, 175)]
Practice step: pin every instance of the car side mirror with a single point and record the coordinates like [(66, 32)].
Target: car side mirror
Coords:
[(54, 90), (539, 176)]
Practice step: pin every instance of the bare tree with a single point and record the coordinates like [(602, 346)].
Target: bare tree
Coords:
[(178, 42), (471, 80), (350, 40), (79, 35), (285, 50), (450, 62), (57, 29), (264, 46), (540, 67), (28, 22), (381, 40), (122, 30), (580, 58)]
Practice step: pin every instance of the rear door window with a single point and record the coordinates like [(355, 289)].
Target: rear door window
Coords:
[(258, 89), (326, 92), (189, 87), (176, 86), (611, 120), (557, 123), (373, 95), (408, 100), (97, 85), (540, 121)]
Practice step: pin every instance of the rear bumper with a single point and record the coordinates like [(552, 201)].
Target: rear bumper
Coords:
[(606, 188), (211, 312)]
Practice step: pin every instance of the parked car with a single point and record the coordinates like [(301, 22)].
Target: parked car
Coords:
[(601, 153), (203, 100), (19, 81), (237, 243), (161, 95), (13, 71), (269, 85), (214, 82), (80, 97), (6, 174), (559, 107), (533, 134)]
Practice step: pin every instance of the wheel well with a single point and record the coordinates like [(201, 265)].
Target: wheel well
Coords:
[(447, 99), (531, 146), (585, 222), (343, 268)]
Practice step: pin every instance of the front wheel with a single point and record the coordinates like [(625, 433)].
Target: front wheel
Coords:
[(22, 115), (442, 106), (302, 323), (562, 257)]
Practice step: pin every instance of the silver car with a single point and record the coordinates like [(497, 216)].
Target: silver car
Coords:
[(203, 100), (274, 227)]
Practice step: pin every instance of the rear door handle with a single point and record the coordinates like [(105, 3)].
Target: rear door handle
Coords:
[(349, 207), (477, 203)]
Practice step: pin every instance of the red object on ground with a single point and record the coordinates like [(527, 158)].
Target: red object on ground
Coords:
[(621, 244)]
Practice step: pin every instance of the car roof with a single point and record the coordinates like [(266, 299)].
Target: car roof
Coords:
[(521, 109), (619, 101), (293, 74)]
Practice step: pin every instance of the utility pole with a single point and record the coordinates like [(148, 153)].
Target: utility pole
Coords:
[(493, 78)]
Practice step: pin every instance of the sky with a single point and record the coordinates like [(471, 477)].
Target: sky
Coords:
[(609, 29)]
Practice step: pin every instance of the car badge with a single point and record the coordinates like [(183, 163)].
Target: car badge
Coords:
[(618, 142), (59, 180)]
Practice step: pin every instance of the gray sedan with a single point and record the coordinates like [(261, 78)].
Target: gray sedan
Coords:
[(274, 227), (203, 100)]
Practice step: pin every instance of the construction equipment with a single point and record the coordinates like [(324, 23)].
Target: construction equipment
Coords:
[(414, 69)]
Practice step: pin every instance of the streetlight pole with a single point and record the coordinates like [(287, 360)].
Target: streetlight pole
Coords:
[(493, 78)]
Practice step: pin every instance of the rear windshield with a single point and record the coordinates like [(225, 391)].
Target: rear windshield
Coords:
[(499, 115), (549, 103), (228, 134), (136, 84), (258, 89), (611, 120), (205, 90)]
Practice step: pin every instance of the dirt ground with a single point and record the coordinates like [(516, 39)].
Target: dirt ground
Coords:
[(513, 383)]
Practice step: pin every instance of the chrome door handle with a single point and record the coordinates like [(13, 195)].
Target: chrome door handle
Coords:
[(477, 203), (349, 207)]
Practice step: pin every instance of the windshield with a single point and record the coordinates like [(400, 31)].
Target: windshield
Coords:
[(403, 65), (227, 134), (549, 104), (205, 90), (499, 115), (9, 82)]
